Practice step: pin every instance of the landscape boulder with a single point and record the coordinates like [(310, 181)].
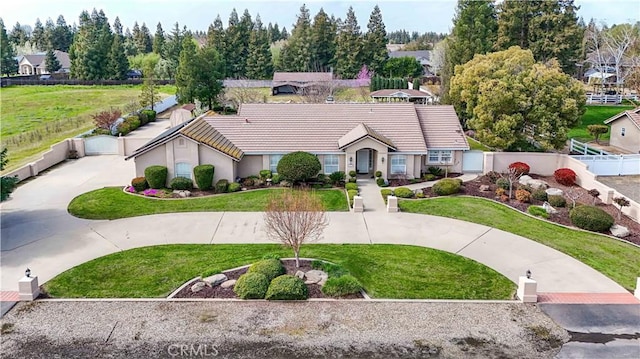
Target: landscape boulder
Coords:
[(533, 183), (198, 287), (484, 188), (315, 276), (549, 208), (216, 279), (554, 192), (619, 231), (228, 284)]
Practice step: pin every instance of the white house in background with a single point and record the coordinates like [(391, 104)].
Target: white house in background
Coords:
[(397, 139), (35, 64), (625, 130)]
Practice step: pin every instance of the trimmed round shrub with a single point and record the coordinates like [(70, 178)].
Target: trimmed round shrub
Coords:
[(538, 211), (565, 176), (380, 182), (139, 183), (428, 177), (264, 174), (234, 187), (523, 195), (222, 186), (251, 286), (403, 192), (298, 166), (446, 186), (287, 287), (378, 174), (351, 186), (521, 168), (204, 176), (249, 182), (275, 179), (557, 201), (271, 268), (156, 176), (123, 128), (502, 183), (149, 114), (352, 173), (591, 218), (341, 286), (540, 195), (133, 121), (181, 183)]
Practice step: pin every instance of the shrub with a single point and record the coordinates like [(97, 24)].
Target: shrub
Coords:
[(139, 183), (251, 286), (380, 182), (565, 176), (446, 186), (403, 192), (275, 179), (591, 218), (420, 195), (353, 174), (436, 171), (429, 177), (538, 211), (557, 201), (234, 187), (386, 193), (156, 176), (341, 286), (133, 121), (351, 186), (501, 192), (523, 195), (493, 176), (264, 174), (248, 182), (378, 174), (287, 287), (222, 186), (337, 177), (271, 268), (351, 193), (105, 119), (540, 195), (502, 183), (298, 166), (123, 128), (149, 114), (520, 168), (181, 183), (204, 176)]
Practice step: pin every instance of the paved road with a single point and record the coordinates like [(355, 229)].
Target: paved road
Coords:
[(37, 232)]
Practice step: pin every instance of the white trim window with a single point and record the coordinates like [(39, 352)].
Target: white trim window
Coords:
[(398, 164), (273, 163), (440, 156), (331, 164), (183, 169)]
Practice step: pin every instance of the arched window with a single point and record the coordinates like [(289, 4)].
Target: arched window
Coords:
[(183, 169)]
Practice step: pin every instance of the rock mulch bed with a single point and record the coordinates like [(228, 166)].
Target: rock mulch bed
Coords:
[(203, 288)]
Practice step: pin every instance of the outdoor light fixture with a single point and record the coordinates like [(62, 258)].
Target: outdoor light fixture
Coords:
[(528, 274), (382, 159), (350, 160), (27, 273)]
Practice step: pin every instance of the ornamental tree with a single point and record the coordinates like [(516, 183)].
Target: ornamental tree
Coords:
[(508, 98), (298, 166), (597, 131)]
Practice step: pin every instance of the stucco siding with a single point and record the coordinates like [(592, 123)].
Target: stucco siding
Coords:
[(225, 167), (251, 165), (156, 156), (631, 139)]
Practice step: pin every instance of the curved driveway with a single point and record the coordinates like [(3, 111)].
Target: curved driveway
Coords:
[(37, 232)]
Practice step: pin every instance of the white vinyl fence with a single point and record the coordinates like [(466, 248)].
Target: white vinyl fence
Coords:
[(611, 165)]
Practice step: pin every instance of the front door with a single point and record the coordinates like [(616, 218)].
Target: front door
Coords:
[(362, 161)]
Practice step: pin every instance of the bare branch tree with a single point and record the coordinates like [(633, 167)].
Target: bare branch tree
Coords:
[(242, 92), (295, 217), (617, 41), (513, 176)]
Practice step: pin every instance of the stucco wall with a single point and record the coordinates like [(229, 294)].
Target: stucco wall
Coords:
[(455, 167), (631, 139), (251, 165), (378, 165), (56, 154), (224, 166), (157, 156)]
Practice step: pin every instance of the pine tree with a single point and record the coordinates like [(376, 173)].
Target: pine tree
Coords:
[(375, 47), (284, 35), (187, 71), (118, 64), (149, 92), (145, 43), (349, 47), (259, 64), (37, 35), (159, 41), (209, 73), (130, 48), (296, 55), (61, 36), (275, 34), (91, 47), (8, 63), (323, 42), (233, 46), (215, 35), (51, 62), (117, 28), (18, 35), (173, 47), (245, 28)]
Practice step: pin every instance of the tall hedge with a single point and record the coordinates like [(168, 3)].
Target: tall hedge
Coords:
[(156, 176), (204, 176), (298, 166)]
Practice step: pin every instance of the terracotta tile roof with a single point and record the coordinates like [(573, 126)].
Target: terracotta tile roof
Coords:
[(441, 127), (200, 131), (302, 76), (399, 93), (38, 60), (361, 131), (633, 115), (189, 107)]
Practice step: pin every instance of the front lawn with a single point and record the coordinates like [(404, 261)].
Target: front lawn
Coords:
[(617, 260), (112, 203), (595, 115), (386, 271)]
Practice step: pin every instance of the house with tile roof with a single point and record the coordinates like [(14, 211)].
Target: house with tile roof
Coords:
[(397, 139), (36, 64), (625, 130)]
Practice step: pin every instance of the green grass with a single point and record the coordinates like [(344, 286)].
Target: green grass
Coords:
[(595, 115), (36, 117), (617, 260), (477, 146), (112, 203), (386, 271)]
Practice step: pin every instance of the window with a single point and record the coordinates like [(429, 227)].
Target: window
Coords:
[(331, 163), (398, 164), (273, 163), (443, 156), (182, 142), (183, 169)]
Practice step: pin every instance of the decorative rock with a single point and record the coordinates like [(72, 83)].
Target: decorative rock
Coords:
[(215, 279), (554, 192), (619, 231), (484, 188), (538, 184), (315, 276), (300, 274), (547, 207), (198, 287), (228, 284), (525, 179)]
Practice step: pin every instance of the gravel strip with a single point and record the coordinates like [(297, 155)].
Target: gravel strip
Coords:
[(257, 329)]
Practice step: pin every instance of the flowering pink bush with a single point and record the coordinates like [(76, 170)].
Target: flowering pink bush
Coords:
[(150, 192), (131, 189)]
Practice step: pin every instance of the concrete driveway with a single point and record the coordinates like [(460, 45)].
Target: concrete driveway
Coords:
[(37, 232)]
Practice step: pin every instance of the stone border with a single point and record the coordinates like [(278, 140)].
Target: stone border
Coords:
[(381, 300)]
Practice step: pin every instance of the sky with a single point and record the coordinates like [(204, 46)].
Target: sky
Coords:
[(416, 15)]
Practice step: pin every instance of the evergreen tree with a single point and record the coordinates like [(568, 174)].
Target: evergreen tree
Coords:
[(91, 47), (187, 71), (159, 40), (215, 35), (284, 35), (49, 33), (233, 47), (375, 47), (173, 47), (149, 92), (276, 35), (259, 64), (118, 64), (37, 35), (117, 28), (18, 35), (51, 62), (296, 55), (209, 73), (349, 47), (8, 63), (323, 42), (130, 48), (62, 35), (145, 44)]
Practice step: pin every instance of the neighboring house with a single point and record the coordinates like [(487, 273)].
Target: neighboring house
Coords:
[(399, 139), (395, 95), (134, 74), (35, 64), (625, 130), (300, 83)]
